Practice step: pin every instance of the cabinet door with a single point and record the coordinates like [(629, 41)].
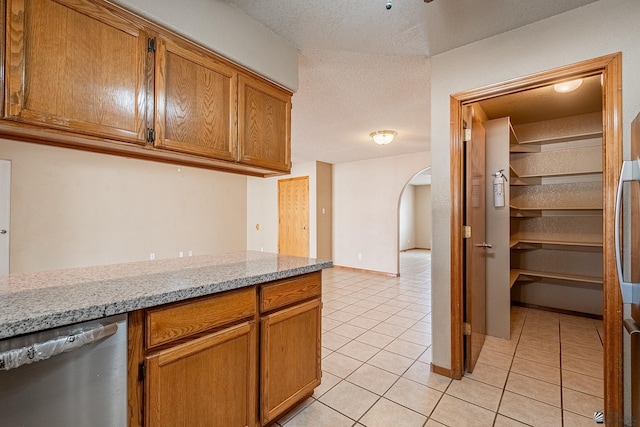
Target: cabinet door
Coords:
[(290, 366), (207, 382), (264, 125), (75, 66), (195, 102)]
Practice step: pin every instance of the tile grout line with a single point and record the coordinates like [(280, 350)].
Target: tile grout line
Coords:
[(504, 388), (406, 296)]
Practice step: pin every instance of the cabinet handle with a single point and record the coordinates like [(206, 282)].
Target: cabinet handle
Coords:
[(3, 231)]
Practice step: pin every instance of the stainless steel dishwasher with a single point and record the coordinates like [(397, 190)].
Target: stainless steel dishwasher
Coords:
[(70, 376)]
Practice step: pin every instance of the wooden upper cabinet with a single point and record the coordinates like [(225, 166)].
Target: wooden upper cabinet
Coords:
[(75, 66), (264, 124), (91, 75), (195, 102)]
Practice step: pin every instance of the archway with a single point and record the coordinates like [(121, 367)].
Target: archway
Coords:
[(414, 215)]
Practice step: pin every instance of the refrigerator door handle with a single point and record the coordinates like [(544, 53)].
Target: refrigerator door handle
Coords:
[(630, 172), (631, 326)]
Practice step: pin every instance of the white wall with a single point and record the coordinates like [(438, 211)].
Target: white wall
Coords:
[(262, 209), (71, 208), (423, 216), (407, 228), (597, 29), (226, 30), (366, 196)]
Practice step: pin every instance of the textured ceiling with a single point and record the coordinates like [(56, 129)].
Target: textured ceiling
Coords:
[(363, 68), (344, 96), (410, 27)]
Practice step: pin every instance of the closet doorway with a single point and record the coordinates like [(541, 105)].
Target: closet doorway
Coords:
[(414, 226), (608, 70)]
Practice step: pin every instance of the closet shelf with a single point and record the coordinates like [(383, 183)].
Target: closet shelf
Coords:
[(566, 138), (524, 212), (535, 243), (530, 275), (557, 208), (556, 174), (517, 181), (517, 148), (513, 277)]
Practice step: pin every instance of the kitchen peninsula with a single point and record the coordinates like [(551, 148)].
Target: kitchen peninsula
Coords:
[(233, 338)]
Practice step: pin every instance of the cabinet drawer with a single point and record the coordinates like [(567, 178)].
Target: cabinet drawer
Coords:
[(288, 291), (179, 320)]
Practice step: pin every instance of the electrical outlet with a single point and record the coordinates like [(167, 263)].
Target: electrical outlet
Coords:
[(180, 254), (152, 255), (190, 253), (359, 257)]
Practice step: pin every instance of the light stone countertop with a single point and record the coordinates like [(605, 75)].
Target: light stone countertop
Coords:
[(32, 302)]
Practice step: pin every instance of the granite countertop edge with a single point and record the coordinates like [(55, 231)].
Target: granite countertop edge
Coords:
[(69, 315)]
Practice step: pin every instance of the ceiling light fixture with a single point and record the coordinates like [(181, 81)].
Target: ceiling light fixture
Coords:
[(569, 86), (383, 137)]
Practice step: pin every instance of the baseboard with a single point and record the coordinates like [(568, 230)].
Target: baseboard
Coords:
[(557, 310), (441, 371), (361, 270)]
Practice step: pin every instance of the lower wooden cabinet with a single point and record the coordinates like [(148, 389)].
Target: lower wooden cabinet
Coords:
[(209, 381), (290, 342), (219, 361)]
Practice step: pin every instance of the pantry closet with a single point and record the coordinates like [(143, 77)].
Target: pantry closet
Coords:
[(547, 238)]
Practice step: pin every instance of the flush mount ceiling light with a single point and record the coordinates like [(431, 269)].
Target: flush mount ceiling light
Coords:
[(569, 86), (383, 137)]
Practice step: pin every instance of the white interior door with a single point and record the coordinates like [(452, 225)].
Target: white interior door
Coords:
[(5, 199)]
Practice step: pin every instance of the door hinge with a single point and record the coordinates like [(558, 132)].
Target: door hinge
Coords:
[(141, 372), (466, 232), (467, 135), (151, 44), (466, 328), (151, 135)]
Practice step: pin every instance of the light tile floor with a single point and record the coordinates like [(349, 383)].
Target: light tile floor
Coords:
[(376, 347)]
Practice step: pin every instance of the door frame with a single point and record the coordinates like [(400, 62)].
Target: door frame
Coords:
[(610, 67)]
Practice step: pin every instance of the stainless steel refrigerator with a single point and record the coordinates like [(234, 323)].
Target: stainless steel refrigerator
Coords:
[(627, 233)]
